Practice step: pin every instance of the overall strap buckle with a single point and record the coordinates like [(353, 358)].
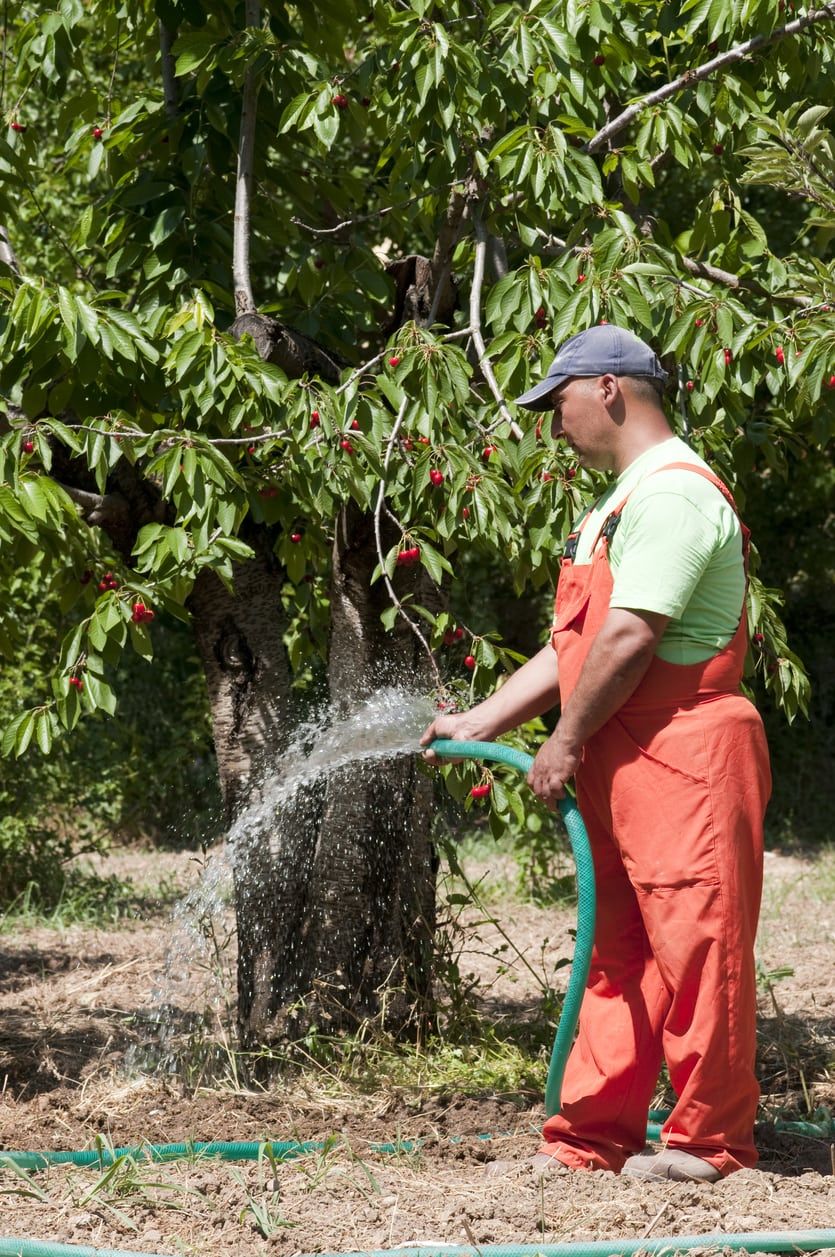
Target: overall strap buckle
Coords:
[(570, 550), (610, 526)]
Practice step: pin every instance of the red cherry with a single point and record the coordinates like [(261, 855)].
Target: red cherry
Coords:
[(77, 683), (825, 309), (18, 126), (340, 101), (571, 473), (449, 637), (487, 452), (604, 322), (355, 423), (296, 537), (779, 355), (269, 491), (103, 586), (315, 419), (728, 357), (465, 512), (690, 386), (480, 792), (97, 133), (408, 443), (436, 476), (469, 662), (346, 445), (581, 279), (599, 59), (250, 449), (719, 149), (28, 447), (85, 577), (758, 639), (394, 361), (699, 322), (424, 440), (831, 382), (546, 477), (459, 634)]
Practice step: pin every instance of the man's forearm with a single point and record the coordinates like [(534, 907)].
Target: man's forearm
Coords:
[(618, 659), (529, 692), (620, 655)]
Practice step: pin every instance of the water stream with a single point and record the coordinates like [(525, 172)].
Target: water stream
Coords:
[(192, 1002)]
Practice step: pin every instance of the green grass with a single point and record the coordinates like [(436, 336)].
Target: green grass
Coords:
[(85, 899)]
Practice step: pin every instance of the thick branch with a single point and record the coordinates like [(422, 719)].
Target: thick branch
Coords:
[(7, 253), (448, 237), (475, 328), (107, 510), (689, 77), (169, 79), (244, 299), (381, 493), (705, 271)]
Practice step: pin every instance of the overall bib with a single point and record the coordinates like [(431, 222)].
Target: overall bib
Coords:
[(673, 790)]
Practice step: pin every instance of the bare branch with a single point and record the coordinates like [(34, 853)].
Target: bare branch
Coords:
[(717, 276), (372, 362), (169, 79), (367, 218), (689, 77), (401, 610), (497, 257), (105, 510), (475, 328), (7, 253), (244, 299)]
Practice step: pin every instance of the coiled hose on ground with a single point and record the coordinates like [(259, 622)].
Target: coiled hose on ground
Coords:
[(748, 1242)]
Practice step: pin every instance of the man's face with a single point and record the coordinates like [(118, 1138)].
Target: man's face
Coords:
[(582, 419)]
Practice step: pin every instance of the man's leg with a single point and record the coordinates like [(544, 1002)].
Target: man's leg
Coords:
[(695, 856), (613, 1066)]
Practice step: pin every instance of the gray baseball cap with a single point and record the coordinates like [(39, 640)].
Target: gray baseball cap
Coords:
[(600, 350)]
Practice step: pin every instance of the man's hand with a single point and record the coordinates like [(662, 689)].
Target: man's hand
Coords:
[(458, 727), (555, 763)]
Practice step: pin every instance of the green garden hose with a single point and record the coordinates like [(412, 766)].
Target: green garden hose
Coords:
[(586, 904), (745, 1242)]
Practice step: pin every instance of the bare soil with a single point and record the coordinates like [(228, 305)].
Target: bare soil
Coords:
[(74, 1001)]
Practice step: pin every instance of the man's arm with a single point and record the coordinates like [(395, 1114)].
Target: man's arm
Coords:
[(620, 655), (529, 692)]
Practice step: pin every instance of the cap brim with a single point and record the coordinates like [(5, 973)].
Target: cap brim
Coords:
[(539, 397)]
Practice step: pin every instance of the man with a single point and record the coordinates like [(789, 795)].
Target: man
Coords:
[(671, 767)]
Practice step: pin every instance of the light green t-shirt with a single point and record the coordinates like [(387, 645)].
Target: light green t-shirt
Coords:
[(677, 551)]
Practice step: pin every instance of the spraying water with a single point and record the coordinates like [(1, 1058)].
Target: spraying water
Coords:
[(192, 998)]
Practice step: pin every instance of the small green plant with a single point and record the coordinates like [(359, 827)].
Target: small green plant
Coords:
[(262, 1208)]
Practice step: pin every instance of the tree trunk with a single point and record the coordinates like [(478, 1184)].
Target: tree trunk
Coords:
[(334, 885), (369, 932), (239, 637)]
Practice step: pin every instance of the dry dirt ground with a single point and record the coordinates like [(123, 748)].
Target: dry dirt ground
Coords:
[(73, 1001)]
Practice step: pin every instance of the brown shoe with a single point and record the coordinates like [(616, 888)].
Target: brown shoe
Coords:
[(671, 1163)]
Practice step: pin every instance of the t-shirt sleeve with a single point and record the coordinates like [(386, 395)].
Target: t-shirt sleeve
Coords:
[(665, 544)]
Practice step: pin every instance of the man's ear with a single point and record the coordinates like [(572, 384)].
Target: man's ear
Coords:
[(610, 387)]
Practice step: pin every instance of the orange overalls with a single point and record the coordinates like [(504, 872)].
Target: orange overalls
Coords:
[(673, 790)]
